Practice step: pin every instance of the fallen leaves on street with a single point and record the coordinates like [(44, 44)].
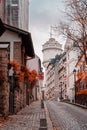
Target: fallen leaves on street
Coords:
[(2, 120)]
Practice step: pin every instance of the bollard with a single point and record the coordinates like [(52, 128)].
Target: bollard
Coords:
[(42, 128), (42, 104), (43, 124)]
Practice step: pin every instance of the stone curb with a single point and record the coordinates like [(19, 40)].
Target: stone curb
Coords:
[(49, 122)]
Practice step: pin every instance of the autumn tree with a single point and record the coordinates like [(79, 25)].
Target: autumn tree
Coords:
[(75, 25)]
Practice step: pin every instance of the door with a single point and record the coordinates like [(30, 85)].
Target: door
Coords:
[(11, 95)]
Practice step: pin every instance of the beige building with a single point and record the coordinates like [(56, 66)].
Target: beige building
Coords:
[(61, 74), (35, 63), (50, 81)]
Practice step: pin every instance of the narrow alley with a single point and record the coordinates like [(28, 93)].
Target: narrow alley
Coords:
[(43, 65)]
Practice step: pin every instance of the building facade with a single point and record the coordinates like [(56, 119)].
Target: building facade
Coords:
[(14, 93), (50, 81), (50, 49), (60, 75), (35, 64), (81, 81), (61, 69), (56, 77), (15, 13), (72, 54)]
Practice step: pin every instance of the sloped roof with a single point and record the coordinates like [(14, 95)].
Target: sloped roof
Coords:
[(26, 37)]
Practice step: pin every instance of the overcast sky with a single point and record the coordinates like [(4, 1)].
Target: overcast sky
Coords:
[(42, 15)]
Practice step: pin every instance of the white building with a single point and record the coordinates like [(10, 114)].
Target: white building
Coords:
[(59, 75), (72, 58), (56, 77), (50, 49)]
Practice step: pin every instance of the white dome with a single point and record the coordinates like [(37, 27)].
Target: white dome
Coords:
[(50, 49)]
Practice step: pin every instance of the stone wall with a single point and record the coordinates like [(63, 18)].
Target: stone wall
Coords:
[(4, 87), (12, 95), (20, 90), (17, 52), (20, 97)]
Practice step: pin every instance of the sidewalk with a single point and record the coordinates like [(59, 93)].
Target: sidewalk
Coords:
[(29, 118)]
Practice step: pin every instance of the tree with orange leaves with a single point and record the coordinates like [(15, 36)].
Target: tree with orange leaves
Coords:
[(32, 75), (15, 65), (26, 73)]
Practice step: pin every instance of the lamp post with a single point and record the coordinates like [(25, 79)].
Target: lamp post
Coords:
[(74, 72), (61, 91)]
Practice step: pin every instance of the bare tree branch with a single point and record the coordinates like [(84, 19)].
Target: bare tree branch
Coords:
[(75, 27)]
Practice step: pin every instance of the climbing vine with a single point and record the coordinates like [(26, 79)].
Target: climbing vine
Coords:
[(22, 72)]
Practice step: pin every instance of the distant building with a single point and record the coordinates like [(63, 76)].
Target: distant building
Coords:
[(59, 73), (72, 54), (50, 81), (61, 76), (35, 64), (80, 78), (56, 77), (50, 49)]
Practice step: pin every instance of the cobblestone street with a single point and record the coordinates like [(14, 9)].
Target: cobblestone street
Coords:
[(67, 117), (28, 118)]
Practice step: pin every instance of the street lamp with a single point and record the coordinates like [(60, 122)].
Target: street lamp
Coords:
[(61, 91), (74, 72)]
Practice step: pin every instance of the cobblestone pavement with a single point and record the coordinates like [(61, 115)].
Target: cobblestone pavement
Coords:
[(66, 116), (28, 118)]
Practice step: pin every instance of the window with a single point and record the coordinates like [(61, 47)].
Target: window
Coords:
[(14, 1), (6, 44), (81, 85), (15, 16)]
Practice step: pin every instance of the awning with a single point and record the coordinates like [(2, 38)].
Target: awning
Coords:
[(26, 38)]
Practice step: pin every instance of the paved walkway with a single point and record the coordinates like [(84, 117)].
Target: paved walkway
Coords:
[(29, 118)]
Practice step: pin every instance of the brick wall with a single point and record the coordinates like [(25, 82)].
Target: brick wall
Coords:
[(20, 97), (20, 92), (17, 52), (4, 87)]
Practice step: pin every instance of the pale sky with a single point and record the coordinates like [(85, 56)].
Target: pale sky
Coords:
[(42, 15)]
